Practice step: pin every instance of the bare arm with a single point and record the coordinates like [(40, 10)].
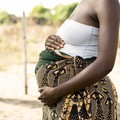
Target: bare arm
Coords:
[(108, 15)]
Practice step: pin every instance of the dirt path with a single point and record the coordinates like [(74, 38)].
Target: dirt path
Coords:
[(14, 105)]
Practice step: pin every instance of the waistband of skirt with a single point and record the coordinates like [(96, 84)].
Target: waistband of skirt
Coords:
[(49, 56), (54, 55)]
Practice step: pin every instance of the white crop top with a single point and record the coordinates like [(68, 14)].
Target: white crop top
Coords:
[(80, 39)]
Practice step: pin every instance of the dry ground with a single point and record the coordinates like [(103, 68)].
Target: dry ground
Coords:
[(14, 104)]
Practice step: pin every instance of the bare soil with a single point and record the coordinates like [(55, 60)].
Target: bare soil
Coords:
[(14, 104)]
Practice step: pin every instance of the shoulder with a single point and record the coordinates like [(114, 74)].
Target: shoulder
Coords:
[(107, 8), (108, 2), (107, 5), (104, 5)]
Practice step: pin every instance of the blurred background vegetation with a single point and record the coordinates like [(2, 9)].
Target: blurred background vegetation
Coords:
[(41, 15), (40, 23)]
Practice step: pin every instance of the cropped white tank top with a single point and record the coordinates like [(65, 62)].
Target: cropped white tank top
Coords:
[(80, 39)]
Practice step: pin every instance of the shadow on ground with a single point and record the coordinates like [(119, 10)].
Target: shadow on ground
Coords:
[(32, 103), (27, 103)]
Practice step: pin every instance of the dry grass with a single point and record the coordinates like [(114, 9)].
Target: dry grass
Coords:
[(12, 97), (12, 43)]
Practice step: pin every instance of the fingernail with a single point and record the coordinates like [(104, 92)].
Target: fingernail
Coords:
[(61, 45), (52, 48), (58, 47)]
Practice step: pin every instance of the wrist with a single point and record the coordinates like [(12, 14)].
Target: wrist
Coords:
[(58, 90)]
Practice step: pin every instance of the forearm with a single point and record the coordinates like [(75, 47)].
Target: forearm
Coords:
[(90, 75)]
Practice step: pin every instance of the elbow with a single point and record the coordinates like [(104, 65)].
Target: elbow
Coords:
[(106, 66), (105, 70), (108, 69), (109, 64)]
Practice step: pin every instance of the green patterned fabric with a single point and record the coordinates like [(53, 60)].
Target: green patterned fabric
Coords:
[(96, 102), (46, 57)]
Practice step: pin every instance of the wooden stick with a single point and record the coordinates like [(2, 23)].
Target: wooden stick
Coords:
[(25, 52)]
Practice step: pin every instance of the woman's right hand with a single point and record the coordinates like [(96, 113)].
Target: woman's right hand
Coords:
[(54, 42)]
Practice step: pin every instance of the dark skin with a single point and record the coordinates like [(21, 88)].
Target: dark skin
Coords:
[(103, 14), (54, 42)]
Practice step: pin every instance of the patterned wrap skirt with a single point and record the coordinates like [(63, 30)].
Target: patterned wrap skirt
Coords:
[(97, 102)]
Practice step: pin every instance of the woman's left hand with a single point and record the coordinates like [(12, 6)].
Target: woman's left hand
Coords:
[(48, 96)]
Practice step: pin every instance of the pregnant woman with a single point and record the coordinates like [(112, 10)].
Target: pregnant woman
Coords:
[(90, 36)]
